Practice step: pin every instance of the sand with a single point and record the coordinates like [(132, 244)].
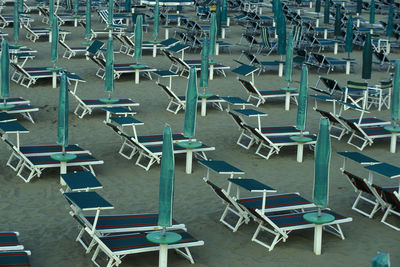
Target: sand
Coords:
[(39, 212)]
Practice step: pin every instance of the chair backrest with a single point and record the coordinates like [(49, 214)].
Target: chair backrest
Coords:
[(20, 69), (168, 91), (95, 47), (357, 182), (63, 44), (320, 59), (128, 41), (237, 119), (387, 194), (328, 115), (258, 134), (357, 85), (331, 84), (385, 84), (249, 87), (219, 192), (265, 37), (252, 58)]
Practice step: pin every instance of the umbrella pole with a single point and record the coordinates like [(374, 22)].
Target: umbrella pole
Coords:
[(163, 257)]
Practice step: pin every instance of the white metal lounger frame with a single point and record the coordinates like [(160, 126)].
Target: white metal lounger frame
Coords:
[(71, 51), (24, 78), (245, 133), (115, 257), (280, 233)]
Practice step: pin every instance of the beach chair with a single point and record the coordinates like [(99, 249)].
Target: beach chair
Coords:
[(24, 110), (281, 225), (86, 106), (335, 123), (177, 103), (116, 247), (15, 258), (273, 144), (366, 135), (9, 241), (380, 94), (356, 93), (364, 195), (262, 96), (196, 64), (273, 203), (71, 51), (383, 60), (391, 198), (329, 63), (5, 117), (28, 76), (95, 33), (262, 65)]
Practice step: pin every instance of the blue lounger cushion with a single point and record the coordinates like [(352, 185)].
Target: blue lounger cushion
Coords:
[(14, 258)]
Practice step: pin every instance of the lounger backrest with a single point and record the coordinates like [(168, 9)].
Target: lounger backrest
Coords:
[(351, 85), (219, 192), (328, 115), (265, 37), (387, 195), (249, 87), (95, 47), (128, 41), (357, 182), (168, 91), (181, 62), (237, 119), (331, 84), (63, 44), (97, 61), (263, 217), (20, 69), (385, 85), (320, 58), (251, 57), (258, 134)]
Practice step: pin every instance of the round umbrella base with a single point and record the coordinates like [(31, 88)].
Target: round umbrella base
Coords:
[(189, 144), (159, 238), (314, 218), (63, 156), (5, 106), (300, 139), (109, 100)]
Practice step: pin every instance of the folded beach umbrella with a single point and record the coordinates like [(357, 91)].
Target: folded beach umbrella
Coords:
[(318, 6), (281, 34), (389, 27), (396, 94), (16, 21), (76, 7), (63, 109), (68, 4), (109, 76), (224, 11), (20, 6), (128, 5), (165, 200), (359, 7), (367, 58), (326, 12), (51, 11), (382, 260), (138, 38), (218, 18), (156, 19), (191, 105), (5, 74), (321, 166), (213, 35), (54, 41), (338, 23), (88, 19), (303, 100), (349, 36), (372, 12), (110, 13), (204, 64), (289, 59)]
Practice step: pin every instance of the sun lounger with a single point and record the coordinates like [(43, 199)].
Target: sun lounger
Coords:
[(331, 87), (196, 64), (262, 96), (391, 198), (262, 65), (86, 106), (5, 117), (71, 51), (9, 241), (366, 135), (24, 110), (15, 258), (273, 203), (329, 63), (281, 225), (177, 103), (116, 247)]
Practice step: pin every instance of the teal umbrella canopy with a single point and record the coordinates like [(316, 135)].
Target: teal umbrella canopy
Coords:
[(224, 11), (275, 9), (109, 78), (204, 64), (128, 5), (322, 164), (289, 58), (110, 12), (20, 6), (213, 34), (389, 27), (88, 20), (372, 12), (326, 12), (51, 11), (303, 100), (54, 41), (338, 24), (76, 6), (191, 105), (218, 17), (5, 70), (63, 110), (16, 21), (138, 38), (382, 260), (167, 180), (318, 6), (281, 35), (156, 19), (359, 7), (367, 58), (396, 93), (349, 36)]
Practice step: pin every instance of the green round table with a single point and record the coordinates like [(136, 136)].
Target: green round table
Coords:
[(189, 145), (300, 140), (319, 220), (137, 68), (163, 239), (63, 158)]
